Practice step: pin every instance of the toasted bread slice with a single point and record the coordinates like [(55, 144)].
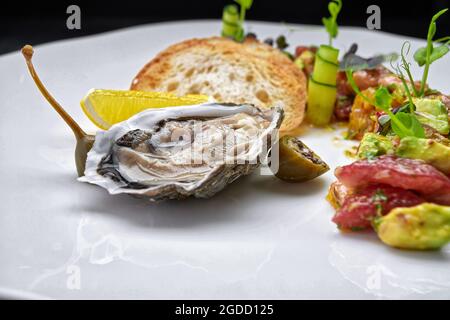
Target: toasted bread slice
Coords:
[(249, 72)]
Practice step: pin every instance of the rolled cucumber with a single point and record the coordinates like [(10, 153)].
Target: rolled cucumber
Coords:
[(231, 26), (322, 86), (329, 53), (321, 99), (328, 70)]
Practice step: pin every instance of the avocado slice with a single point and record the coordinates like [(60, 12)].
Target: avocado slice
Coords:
[(423, 227), (432, 112), (431, 151), (374, 145)]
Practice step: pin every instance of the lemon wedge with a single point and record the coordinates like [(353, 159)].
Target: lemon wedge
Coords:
[(107, 107)]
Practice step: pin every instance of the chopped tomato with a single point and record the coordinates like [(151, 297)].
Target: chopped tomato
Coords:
[(362, 118), (408, 174), (360, 208)]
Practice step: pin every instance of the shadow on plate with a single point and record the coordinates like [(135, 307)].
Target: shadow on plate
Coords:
[(442, 255), (273, 185), (228, 206), (371, 238)]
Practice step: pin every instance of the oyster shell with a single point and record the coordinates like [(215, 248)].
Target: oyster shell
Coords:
[(177, 152)]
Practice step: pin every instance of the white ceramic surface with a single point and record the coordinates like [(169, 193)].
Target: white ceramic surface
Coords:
[(259, 238)]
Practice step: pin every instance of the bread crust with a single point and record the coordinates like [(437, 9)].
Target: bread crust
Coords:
[(282, 81)]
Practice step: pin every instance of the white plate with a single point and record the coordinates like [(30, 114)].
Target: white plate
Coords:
[(259, 238)]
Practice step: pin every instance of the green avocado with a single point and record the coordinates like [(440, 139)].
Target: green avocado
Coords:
[(423, 227), (431, 151), (432, 112), (374, 145)]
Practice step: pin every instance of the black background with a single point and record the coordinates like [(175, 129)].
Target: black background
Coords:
[(283, 309), (42, 21)]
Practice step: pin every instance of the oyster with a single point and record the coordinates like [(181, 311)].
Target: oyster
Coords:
[(177, 152)]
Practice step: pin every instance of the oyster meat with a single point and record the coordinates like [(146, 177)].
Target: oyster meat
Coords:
[(177, 152)]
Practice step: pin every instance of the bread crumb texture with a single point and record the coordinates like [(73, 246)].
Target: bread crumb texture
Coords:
[(250, 72)]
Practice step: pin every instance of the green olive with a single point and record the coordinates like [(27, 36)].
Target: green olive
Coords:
[(298, 163)]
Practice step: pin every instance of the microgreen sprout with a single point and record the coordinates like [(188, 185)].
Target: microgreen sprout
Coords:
[(425, 56), (405, 65), (403, 124), (245, 5), (379, 196), (334, 7)]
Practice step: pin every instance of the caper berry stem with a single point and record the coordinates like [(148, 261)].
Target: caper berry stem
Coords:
[(84, 141)]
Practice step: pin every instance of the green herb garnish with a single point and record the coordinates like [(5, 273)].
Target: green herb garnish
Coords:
[(379, 209), (245, 5), (405, 65), (425, 56), (403, 124), (378, 197), (410, 121), (334, 7)]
